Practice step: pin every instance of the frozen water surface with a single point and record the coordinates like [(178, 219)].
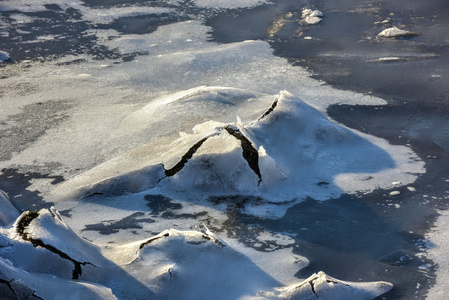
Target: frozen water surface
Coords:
[(188, 139)]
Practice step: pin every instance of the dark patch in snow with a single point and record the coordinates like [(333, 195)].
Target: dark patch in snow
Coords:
[(110, 226), (66, 213), (22, 225), (160, 203), (270, 110), (17, 183), (250, 154), (185, 158), (142, 24)]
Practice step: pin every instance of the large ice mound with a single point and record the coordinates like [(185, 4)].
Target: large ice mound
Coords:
[(280, 149)]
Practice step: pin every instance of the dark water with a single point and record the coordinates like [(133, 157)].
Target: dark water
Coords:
[(358, 237)]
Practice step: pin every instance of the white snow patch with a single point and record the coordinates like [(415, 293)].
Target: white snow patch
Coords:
[(437, 250)]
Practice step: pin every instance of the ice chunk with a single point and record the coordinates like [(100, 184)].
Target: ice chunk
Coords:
[(29, 285), (394, 32), (323, 286), (4, 56), (8, 212), (311, 17)]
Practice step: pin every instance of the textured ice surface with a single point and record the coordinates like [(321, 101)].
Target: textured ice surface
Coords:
[(287, 151), (172, 264)]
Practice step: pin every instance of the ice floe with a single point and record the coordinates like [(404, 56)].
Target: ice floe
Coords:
[(395, 32)]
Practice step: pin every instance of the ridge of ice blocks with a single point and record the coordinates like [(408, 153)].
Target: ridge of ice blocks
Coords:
[(281, 149), (394, 32), (40, 256)]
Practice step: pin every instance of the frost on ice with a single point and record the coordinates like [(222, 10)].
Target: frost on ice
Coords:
[(40, 256)]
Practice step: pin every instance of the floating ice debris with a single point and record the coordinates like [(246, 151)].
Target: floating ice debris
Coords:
[(40, 255), (394, 32), (4, 56), (390, 59), (394, 193), (311, 17)]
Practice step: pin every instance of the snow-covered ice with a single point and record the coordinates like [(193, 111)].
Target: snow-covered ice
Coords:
[(41, 256), (190, 120), (394, 32)]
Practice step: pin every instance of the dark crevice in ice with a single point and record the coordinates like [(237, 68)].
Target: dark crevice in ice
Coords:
[(270, 110), (21, 229), (312, 287), (213, 239), (149, 241), (205, 236), (250, 154), (8, 284), (36, 296), (185, 158)]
